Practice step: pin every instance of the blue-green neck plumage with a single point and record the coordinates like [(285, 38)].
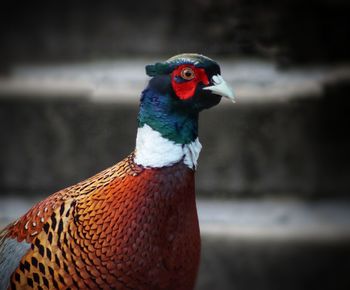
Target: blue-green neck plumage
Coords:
[(165, 113)]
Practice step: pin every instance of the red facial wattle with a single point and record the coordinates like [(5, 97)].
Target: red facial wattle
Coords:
[(185, 89)]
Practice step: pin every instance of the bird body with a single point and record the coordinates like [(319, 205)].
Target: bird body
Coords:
[(133, 225), (77, 234)]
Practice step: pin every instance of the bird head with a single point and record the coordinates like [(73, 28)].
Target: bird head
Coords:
[(191, 79), (179, 89)]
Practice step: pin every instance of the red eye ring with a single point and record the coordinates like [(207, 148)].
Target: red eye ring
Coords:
[(187, 73)]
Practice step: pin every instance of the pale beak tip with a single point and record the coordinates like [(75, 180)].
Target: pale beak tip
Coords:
[(220, 87)]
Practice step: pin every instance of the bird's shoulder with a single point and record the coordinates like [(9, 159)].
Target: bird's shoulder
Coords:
[(27, 227)]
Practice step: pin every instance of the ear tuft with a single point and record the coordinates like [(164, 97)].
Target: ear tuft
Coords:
[(151, 70), (159, 68)]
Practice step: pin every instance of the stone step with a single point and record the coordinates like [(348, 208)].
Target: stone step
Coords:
[(122, 80)]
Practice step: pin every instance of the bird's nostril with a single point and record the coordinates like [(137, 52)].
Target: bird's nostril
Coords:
[(216, 79)]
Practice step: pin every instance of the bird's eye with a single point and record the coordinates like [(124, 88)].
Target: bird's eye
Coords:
[(187, 73)]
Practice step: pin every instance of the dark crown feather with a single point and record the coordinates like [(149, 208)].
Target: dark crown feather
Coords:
[(166, 67)]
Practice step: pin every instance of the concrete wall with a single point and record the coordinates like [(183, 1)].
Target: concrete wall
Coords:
[(297, 148)]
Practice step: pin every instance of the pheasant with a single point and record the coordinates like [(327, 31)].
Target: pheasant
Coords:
[(133, 225)]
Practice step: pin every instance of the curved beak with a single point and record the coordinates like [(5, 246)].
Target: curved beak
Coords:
[(221, 88)]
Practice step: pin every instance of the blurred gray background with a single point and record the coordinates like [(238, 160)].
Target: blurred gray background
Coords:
[(273, 179)]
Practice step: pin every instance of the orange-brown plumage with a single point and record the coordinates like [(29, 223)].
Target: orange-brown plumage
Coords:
[(114, 230)]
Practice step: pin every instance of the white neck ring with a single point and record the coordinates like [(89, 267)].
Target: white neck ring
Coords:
[(153, 150)]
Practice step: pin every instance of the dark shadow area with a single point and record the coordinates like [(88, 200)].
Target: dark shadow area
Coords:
[(288, 31), (274, 265)]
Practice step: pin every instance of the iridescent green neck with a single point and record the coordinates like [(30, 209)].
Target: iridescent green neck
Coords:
[(168, 116)]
